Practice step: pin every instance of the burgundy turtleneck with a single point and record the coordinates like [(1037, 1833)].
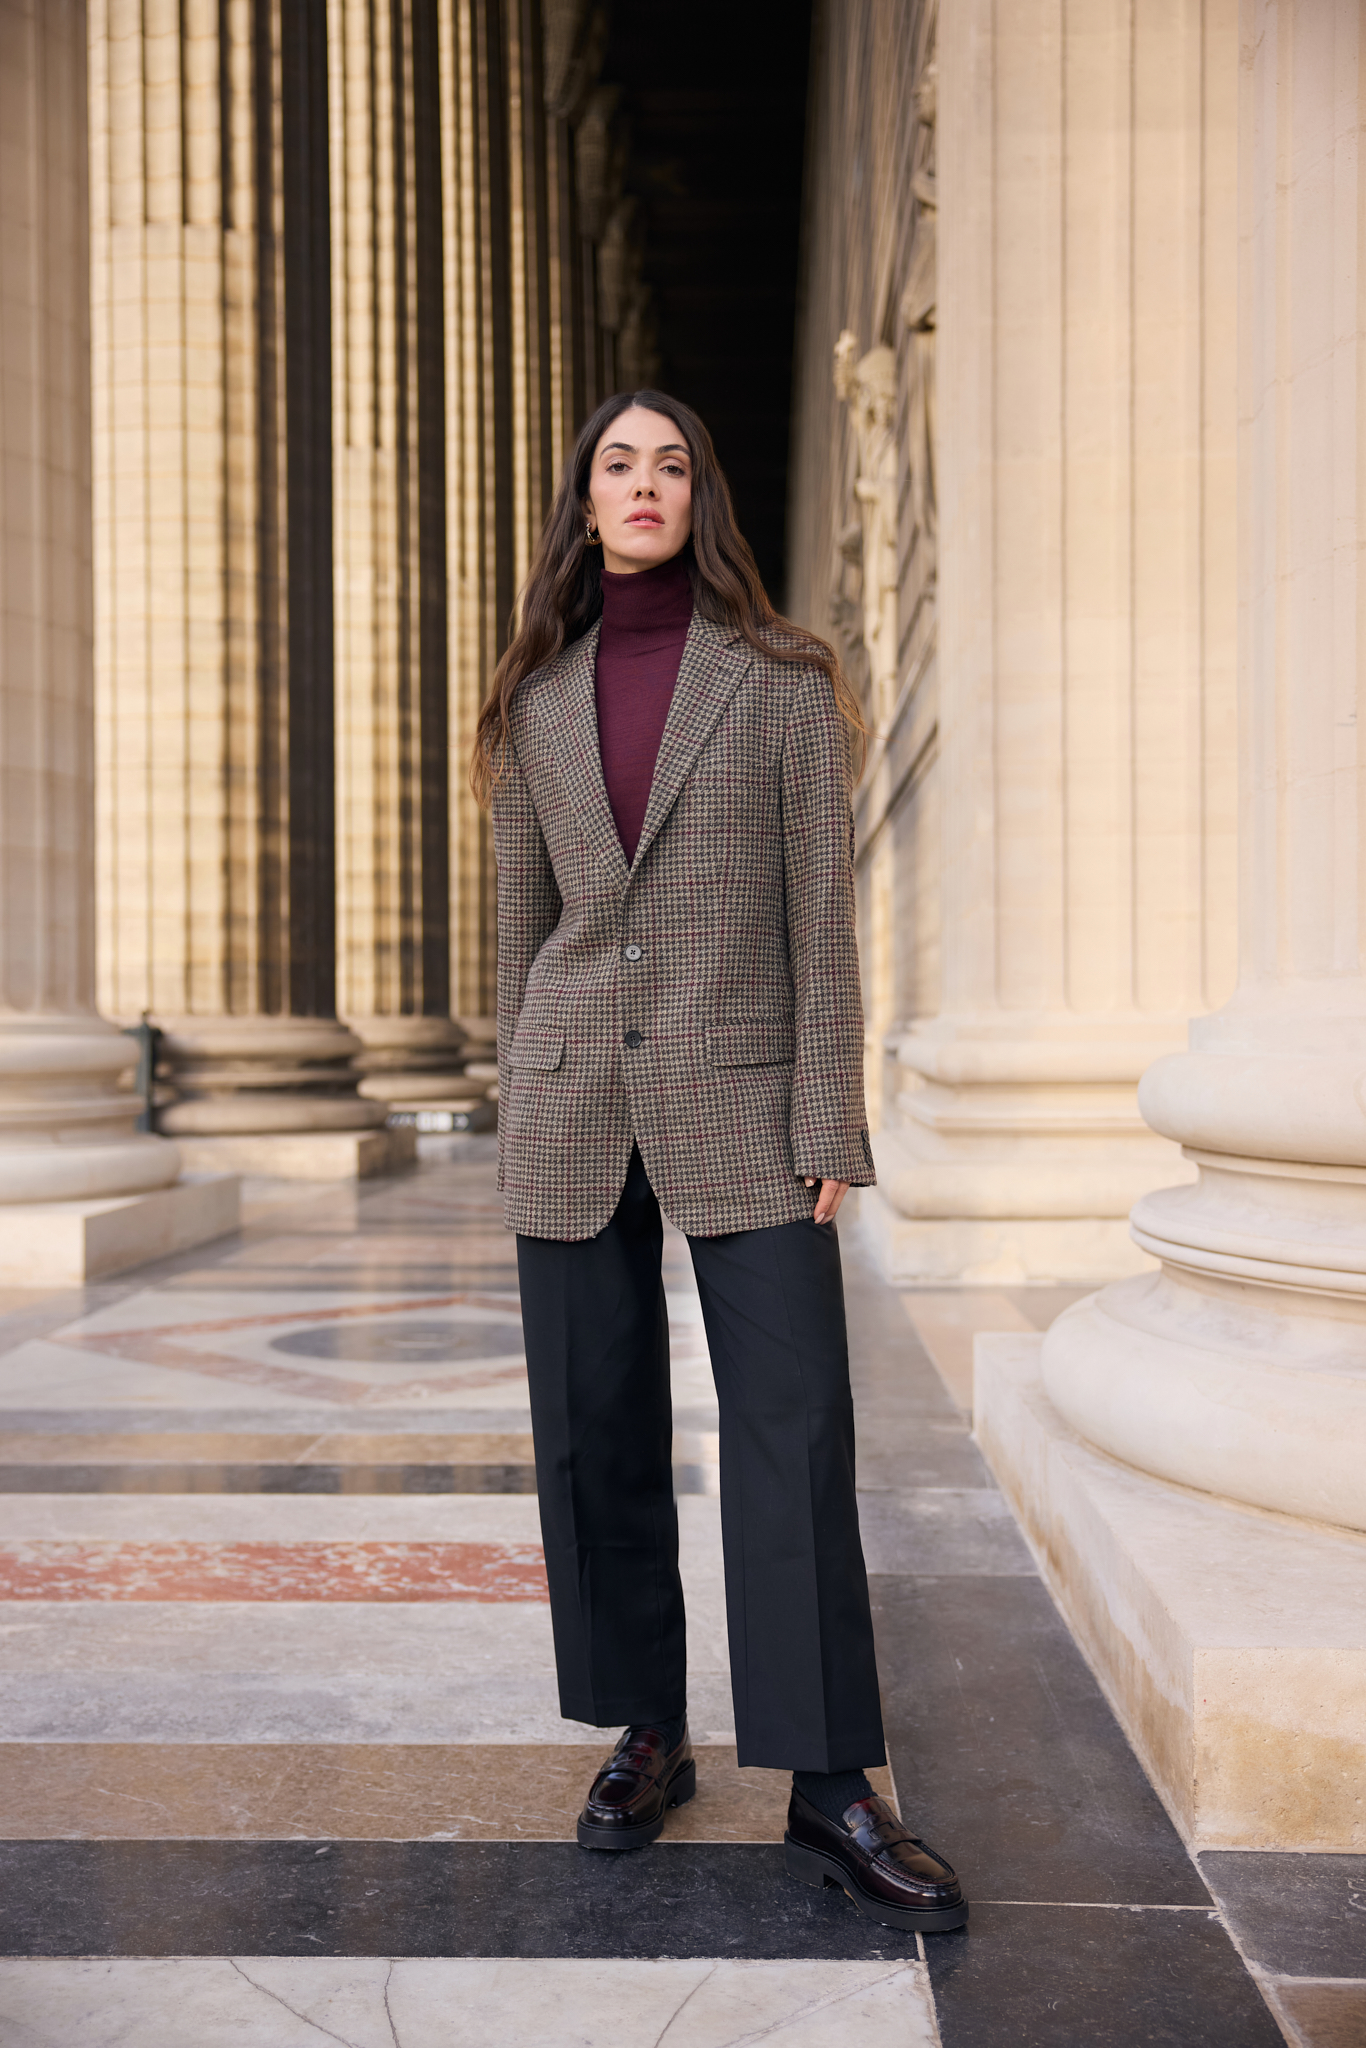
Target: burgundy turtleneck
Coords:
[(645, 620)]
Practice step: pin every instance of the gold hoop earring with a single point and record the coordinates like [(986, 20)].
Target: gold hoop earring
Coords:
[(591, 539)]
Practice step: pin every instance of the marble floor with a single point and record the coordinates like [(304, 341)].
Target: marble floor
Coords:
[(280, 1760)]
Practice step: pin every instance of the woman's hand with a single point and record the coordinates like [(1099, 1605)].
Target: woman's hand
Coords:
[(831, 1195)]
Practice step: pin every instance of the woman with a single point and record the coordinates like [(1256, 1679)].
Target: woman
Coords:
[(679, 1026)]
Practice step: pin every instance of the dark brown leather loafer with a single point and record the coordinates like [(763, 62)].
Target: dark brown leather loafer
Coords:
[(632, 1791), (890, 1875)]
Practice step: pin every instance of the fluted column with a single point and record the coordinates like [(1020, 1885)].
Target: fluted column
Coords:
[(66, 1127), (389, 479), (82, 1192), (479, 506), (213, 477), (529, 221), (1241, 1367), (1085, 444), (571, 50)]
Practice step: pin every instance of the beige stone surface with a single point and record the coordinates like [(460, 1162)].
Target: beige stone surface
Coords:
[(68, 1243), (1231, 1642), (992, 1251), (1321, 2013), (356, 1792), (453, 1090), (1234, 1388), (269, 1114), (304, 1155)]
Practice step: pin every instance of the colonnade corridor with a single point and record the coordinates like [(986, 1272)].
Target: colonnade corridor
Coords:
[(282, 1760)]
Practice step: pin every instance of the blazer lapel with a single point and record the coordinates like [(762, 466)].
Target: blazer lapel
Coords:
[(709, 674), (571, 723)]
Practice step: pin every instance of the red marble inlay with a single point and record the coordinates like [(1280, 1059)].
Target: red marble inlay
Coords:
[(480, 1572)]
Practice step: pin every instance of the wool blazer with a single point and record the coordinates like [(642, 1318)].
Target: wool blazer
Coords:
[(703, 1001)]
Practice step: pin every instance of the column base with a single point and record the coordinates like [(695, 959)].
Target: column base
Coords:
[(303, 1155), (1231, 1642), (412, 1060), (975, 1251), (66, 1244)]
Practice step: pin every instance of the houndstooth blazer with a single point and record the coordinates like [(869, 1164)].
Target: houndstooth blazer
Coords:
[(703, 1001)]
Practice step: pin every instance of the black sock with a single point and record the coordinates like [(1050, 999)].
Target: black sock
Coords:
[(672, 1731), (830, 1792)]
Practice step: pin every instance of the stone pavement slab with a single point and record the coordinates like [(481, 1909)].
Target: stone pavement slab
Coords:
[(464, 2003)]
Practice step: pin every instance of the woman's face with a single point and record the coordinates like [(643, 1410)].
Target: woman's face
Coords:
[(640, 491)]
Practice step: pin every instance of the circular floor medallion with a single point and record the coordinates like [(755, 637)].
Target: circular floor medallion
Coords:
[(406, 1343)]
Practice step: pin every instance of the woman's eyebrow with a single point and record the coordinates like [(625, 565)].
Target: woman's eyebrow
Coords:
[(669, 448)]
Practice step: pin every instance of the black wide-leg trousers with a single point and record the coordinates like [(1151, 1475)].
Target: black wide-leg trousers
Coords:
[(803, 1670)]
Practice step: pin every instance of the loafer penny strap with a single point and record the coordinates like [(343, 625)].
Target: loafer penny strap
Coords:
[(881, 1835)]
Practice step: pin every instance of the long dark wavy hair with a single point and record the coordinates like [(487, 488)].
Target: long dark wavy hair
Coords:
[(563, 594)]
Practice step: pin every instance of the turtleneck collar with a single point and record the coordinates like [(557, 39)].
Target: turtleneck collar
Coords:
[(648, 601)]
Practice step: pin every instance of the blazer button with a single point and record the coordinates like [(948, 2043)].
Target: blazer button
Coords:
[(633, 1039), (634, 952)]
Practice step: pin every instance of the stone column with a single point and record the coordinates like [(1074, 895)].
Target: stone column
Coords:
[(389, 479), (67, 1125), (213, 492), (572, 40), (529, 223), (1086, 433), (1187, 1450), (1241, 1367), (479, 505)]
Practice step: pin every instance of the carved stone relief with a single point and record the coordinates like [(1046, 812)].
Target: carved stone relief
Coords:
[(918, 311), (609, 215), (868, 388), (884, 570), (571, 53)]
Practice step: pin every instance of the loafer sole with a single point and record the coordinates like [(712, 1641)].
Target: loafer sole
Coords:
[(810, 1866), (681, 1789)]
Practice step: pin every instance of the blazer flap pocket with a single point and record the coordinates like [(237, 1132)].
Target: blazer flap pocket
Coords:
[(757, 1042), (543, 1049)]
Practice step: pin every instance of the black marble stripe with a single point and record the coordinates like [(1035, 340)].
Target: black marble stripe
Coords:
[(1078, 1977), (421, 1899), (1296, 1915), (1007, 1755)]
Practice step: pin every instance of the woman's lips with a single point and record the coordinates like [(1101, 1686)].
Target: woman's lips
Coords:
[(645, 519)]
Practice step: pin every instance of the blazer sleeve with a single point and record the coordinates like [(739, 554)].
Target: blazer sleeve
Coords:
[(528, 904), (829, 1121)]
